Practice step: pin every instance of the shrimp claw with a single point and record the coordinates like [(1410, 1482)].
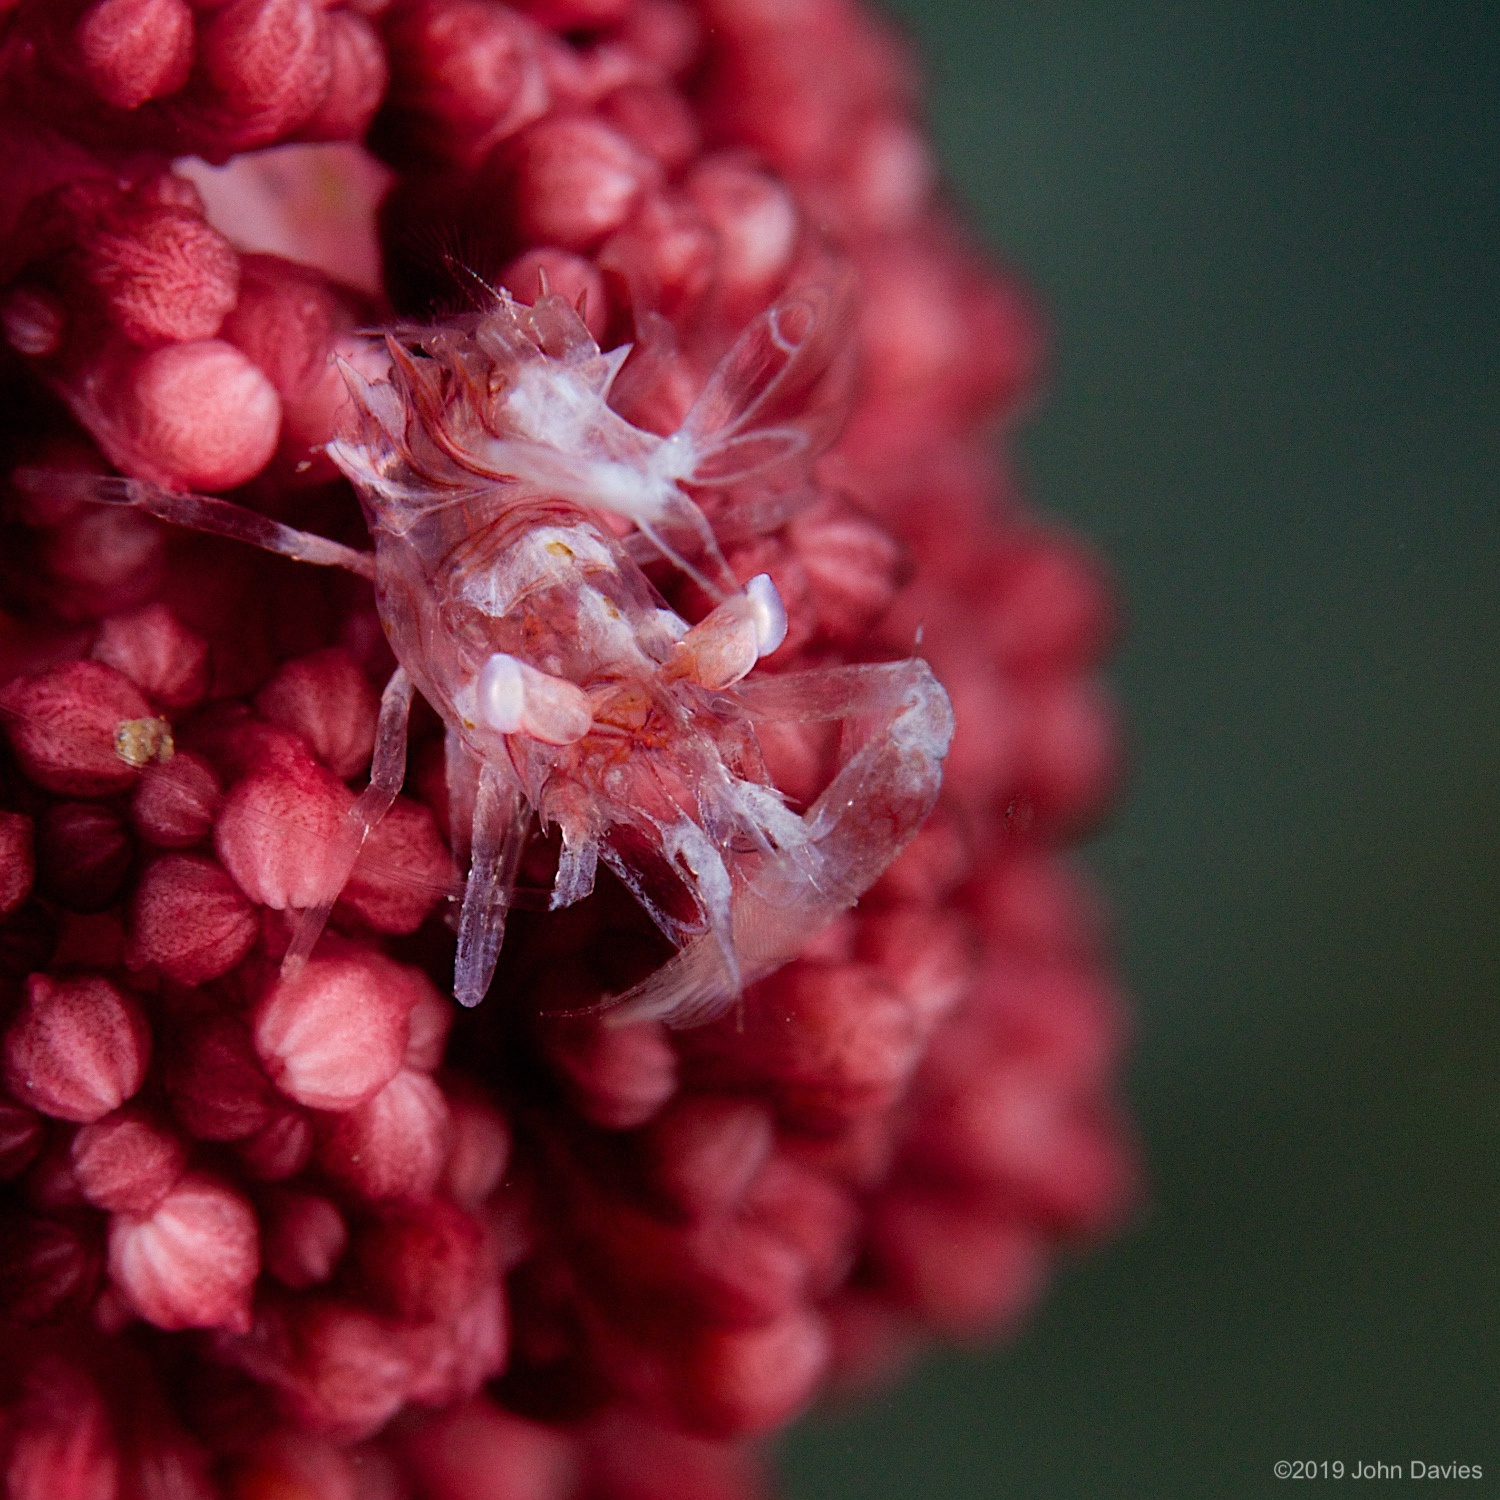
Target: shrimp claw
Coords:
[(902, 723)]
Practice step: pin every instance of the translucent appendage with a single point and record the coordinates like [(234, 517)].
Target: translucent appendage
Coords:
[(501, 824)]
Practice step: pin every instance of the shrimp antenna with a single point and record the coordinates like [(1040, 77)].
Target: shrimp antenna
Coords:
[(462, 270)]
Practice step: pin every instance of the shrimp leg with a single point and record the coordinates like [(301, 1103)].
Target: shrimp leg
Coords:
[(199, 513), (387, 773), (501, 824)]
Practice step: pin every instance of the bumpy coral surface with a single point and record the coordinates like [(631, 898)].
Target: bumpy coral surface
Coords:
[(319, 1235)]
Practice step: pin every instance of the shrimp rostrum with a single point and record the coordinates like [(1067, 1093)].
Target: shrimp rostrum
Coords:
[(512, 510)]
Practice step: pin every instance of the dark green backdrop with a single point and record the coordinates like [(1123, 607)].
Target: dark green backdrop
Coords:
[(1268, 236)]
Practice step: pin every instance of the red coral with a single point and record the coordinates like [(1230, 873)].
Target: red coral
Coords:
[(524, 1252)]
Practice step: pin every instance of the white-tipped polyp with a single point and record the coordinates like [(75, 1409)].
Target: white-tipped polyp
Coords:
[(502, 694), (768, 612)]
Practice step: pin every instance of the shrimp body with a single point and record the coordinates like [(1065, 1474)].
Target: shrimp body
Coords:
[(512, 508)]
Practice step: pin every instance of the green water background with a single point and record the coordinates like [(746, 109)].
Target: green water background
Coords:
[(1269, 239)]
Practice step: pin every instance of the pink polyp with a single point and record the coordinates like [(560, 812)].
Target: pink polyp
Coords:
[(987, 748), (1085, 1182), (335, 1368), (913, 321), (392, 1146), (837, 1040), (422, 1264), (428, 1024), (929, 956), (192, 1261), (62, 725), (666, 255), (576, 180), (33, 321), (1052, 611), (703, 1153), (1071, 752), (464, 76), (103, 559), (811, 1215), (279, 1149), (299, 1466), (853, 569), (1034, 902), (619, 1076), (159, 655), (77, 1048), (756, 221), (873, 1343), (127, 1162), (723, 1271), (48, 1267), (268, 60), (288, 319), (403, 870), (276, 834), (214, 1080), (22, 1133), (176, 801), (334, 1035), (930, 867), (657, 120), (238, 744), (83, 852), (665, 33), (326, 699), (452, 1358), (304, 1236), (51, 1185), (736, 1273), (17, 861), (632, 1458), (1001, 1120), (189, 919), (202, 416), (479, 1152), (134, 50), (162, 1457), (165, 275), (890, 176), (745, 1381), (357, 80)]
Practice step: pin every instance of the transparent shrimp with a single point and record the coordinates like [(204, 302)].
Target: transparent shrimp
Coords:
[(508, 503)]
